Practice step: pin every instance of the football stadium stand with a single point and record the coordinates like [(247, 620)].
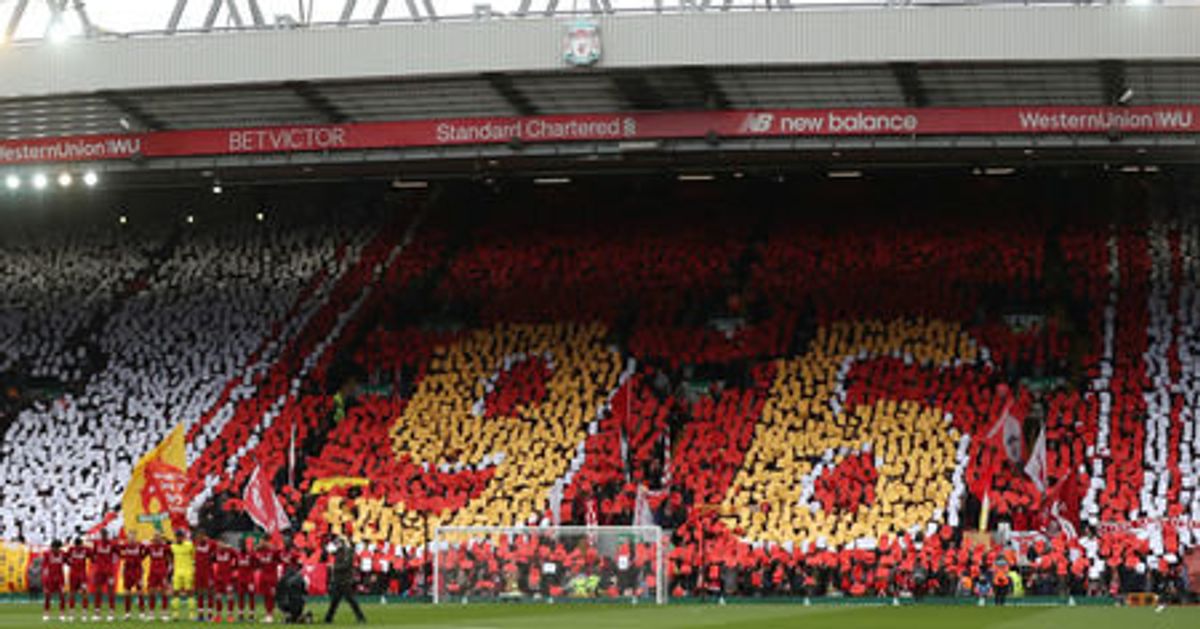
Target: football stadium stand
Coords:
[(807, 400)]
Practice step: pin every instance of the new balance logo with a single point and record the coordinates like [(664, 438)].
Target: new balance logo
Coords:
[(758, 123)]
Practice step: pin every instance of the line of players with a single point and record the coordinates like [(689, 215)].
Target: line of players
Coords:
[(225, 581)]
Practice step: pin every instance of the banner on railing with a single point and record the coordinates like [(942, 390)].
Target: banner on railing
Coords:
[(1144, 524), (633, 126)]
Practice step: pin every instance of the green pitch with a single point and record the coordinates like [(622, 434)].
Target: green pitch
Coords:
[(758, 616)]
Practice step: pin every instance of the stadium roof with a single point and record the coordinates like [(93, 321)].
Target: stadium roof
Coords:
[(875, 52), (693, 60), (663, 89), (38, 19), (26, 20)]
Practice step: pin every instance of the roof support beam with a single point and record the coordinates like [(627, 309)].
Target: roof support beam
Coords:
[(132, 111), (89, 29), (380, 8), (910, 83), (210, 18), (1113, 81), (596, 7), (56, 13), (503, 85), (176, 16), (430, 10), (701, 78), (234, 14), (256, 15), (637, 92), (14, 20), (347, 11), (317, 101)]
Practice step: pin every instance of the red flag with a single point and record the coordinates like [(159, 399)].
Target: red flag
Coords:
[(1006, 435), (590, 510), (591, 517), (989, 466), (165, 483), (1061, 505), (1035, 467), (262, 505)]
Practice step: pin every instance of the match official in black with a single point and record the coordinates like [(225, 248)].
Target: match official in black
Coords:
[(341, 578)]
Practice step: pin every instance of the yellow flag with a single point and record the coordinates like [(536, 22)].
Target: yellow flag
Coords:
[(7, 559), (325, 484), (14, 559), (154, 500)]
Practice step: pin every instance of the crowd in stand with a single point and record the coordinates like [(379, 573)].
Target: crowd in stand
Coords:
[(54, 281), (538, 265), (459, 425), (875, 433), (808, 406), (186, 329)]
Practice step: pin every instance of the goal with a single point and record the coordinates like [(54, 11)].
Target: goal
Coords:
[(549, 564)]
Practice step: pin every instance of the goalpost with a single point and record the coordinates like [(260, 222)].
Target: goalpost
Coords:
[(548, 564)]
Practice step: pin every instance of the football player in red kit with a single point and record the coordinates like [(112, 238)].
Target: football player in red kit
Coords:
[(222, 579), (159, 582), (53, 564), (104, 573), (132, 555), (204, 567), (204, 549), (246, 567), (271, 558), (77, 564)]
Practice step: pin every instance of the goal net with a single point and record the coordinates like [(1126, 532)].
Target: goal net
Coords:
[(549, 563)]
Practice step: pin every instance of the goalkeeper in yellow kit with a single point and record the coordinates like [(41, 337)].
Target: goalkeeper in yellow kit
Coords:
[(183, 581)]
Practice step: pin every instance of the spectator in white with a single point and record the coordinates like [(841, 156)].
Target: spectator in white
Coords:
[(171, 346)]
